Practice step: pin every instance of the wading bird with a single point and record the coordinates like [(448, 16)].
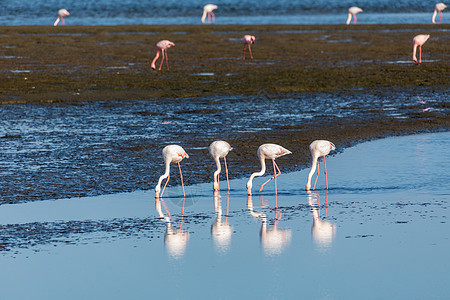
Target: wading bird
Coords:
[(318, 148), (162, 46), (248, 40), (419, 40), (171, 154), (219, 149), (61, 14), (352, 11), (208, 11), (267, 151), (438, 8)]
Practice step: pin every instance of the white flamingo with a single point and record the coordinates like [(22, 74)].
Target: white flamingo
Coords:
[(418, 41), (267, 151), (248, 40), (171, 154), (438, 8), (208, 11), (162, 46), (318, 148), (352, 11), (218, 150), (61, 14)]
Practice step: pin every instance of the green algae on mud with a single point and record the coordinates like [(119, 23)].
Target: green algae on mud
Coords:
[(46, 63)]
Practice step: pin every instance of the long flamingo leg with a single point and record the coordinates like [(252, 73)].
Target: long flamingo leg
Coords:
[(318, 172), (250, 49), (420, 54), (226, 172), (168, 178), (181, 176), (167, 62), (163, 52), (326, 179), (213, 17), (244, 51), (275, 175), (354, 19), (440, 17)]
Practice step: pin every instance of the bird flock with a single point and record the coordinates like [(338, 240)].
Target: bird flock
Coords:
[(220, 149)]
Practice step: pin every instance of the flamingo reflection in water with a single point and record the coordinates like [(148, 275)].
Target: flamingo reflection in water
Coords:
[(175, 238), (273, 239), (323, 232), (221, 231)]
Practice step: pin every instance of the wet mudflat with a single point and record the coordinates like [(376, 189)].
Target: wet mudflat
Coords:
[(381, 224)]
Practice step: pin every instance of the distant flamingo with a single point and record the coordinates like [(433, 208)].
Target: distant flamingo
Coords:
[(267, 151), (208, 11), (171, 154), (248, 40), (419, 40), (162, 46), (61, 14), (318, 148), (219, 149), (352, 11), (438, 8)]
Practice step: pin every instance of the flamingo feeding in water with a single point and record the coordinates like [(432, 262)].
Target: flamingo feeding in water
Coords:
[(248, 40), (208, 11), (218, 150), (352, 11), (171, 154), (267, 151), (162, 46), (61, 14), (318, 148), (419, 40), (438, 8)]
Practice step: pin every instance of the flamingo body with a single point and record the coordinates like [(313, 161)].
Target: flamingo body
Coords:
[(208, 12), (267, 151), (61, 14), (418, 41), (162, 46), (438, 8), (318, 148), (248, 40), (352, 11), (218, 150), (171, 154)]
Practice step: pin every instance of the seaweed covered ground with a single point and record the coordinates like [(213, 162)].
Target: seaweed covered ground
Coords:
[(83, 114)]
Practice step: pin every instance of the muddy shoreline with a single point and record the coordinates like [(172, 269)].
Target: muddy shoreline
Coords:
[(294, 65)]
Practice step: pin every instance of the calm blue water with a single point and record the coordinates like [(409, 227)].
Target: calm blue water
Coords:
[(115, 12)]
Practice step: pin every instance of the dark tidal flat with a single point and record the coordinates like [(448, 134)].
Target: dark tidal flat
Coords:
[(83, 114)]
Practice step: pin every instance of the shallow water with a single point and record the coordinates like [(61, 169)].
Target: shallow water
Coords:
[(379, 232)]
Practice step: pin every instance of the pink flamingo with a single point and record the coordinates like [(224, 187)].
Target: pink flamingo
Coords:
[(268, 151), (61, 14), (219, 149), (318, 148), (248, 40), (352, 11), (171, 154), (208, 11), (419, 40), (162, 46), (438, 8)]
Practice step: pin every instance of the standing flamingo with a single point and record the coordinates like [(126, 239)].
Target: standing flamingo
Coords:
[(219, 149), (352, 11), (208, 11), (318, 148), (61, 14), (438, 8), (171, 154), (162, 46), (248, 40), (419, 40), (268, 151)]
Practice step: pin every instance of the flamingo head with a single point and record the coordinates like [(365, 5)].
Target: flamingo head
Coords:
[(332, 146)]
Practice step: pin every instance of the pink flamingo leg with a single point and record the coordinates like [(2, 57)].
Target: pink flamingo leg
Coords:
[(62, 21), (274, 177), (244, 51), (226, 172), (420, 54), (318, 172), (163, 52), (167, 62), (182, 184), (213, 17), (250, 50), (440, 17), (326, 179), (354, 19), (168, 178)]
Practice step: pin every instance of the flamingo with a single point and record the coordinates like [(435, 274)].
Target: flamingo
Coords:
[(248, 40), (208, 11), (318, 148), (352, 11), (267, 151), (61, 14), (218, 150), (171, 154), (419, 40), (438, 8), (162, 46)]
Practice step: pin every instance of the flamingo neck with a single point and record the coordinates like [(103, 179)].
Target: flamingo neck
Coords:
[(204, 16), (311, 173), (260, 173), (155, 59), (349, 18), (162, 177), (433, 19), (217, 172), (414, 52)]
